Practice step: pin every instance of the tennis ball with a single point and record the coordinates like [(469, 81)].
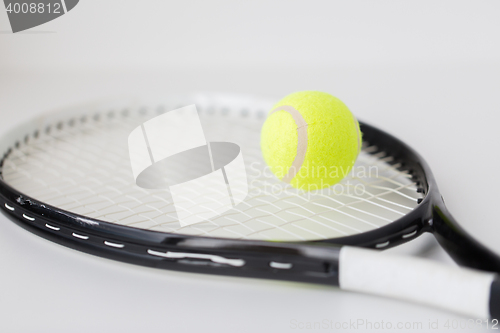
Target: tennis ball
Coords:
[(310, 140)]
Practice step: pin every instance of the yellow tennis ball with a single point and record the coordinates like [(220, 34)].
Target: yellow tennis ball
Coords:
[(310, 140)]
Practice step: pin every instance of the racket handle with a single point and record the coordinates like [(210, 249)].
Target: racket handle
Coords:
[(468, 292)]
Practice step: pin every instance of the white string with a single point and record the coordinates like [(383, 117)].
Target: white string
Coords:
[(85, 169)]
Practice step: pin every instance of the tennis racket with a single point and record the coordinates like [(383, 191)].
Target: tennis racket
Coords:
[(66, 176)]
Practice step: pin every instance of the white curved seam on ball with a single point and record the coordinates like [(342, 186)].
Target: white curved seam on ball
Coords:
[(301, 140), (358, 134)]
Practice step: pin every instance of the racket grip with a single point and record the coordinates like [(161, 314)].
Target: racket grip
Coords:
[(465, 291)]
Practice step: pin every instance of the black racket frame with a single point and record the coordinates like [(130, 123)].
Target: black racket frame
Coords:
[(313, 262)]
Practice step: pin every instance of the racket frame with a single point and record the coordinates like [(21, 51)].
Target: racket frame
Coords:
[(313, 262)]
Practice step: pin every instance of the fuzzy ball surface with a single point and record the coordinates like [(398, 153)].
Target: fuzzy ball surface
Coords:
[(310, 140)]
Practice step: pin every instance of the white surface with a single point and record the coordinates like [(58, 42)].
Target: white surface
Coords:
[(461, 290), (426, 72), (199, 34)]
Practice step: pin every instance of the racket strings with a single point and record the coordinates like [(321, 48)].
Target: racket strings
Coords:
[(83, 166)]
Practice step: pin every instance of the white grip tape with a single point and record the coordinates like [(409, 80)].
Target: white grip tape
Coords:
[(457, 289)]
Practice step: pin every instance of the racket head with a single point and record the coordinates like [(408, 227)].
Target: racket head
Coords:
[(136, 244)]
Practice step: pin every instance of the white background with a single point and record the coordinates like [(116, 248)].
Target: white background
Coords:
[(426, 72)]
